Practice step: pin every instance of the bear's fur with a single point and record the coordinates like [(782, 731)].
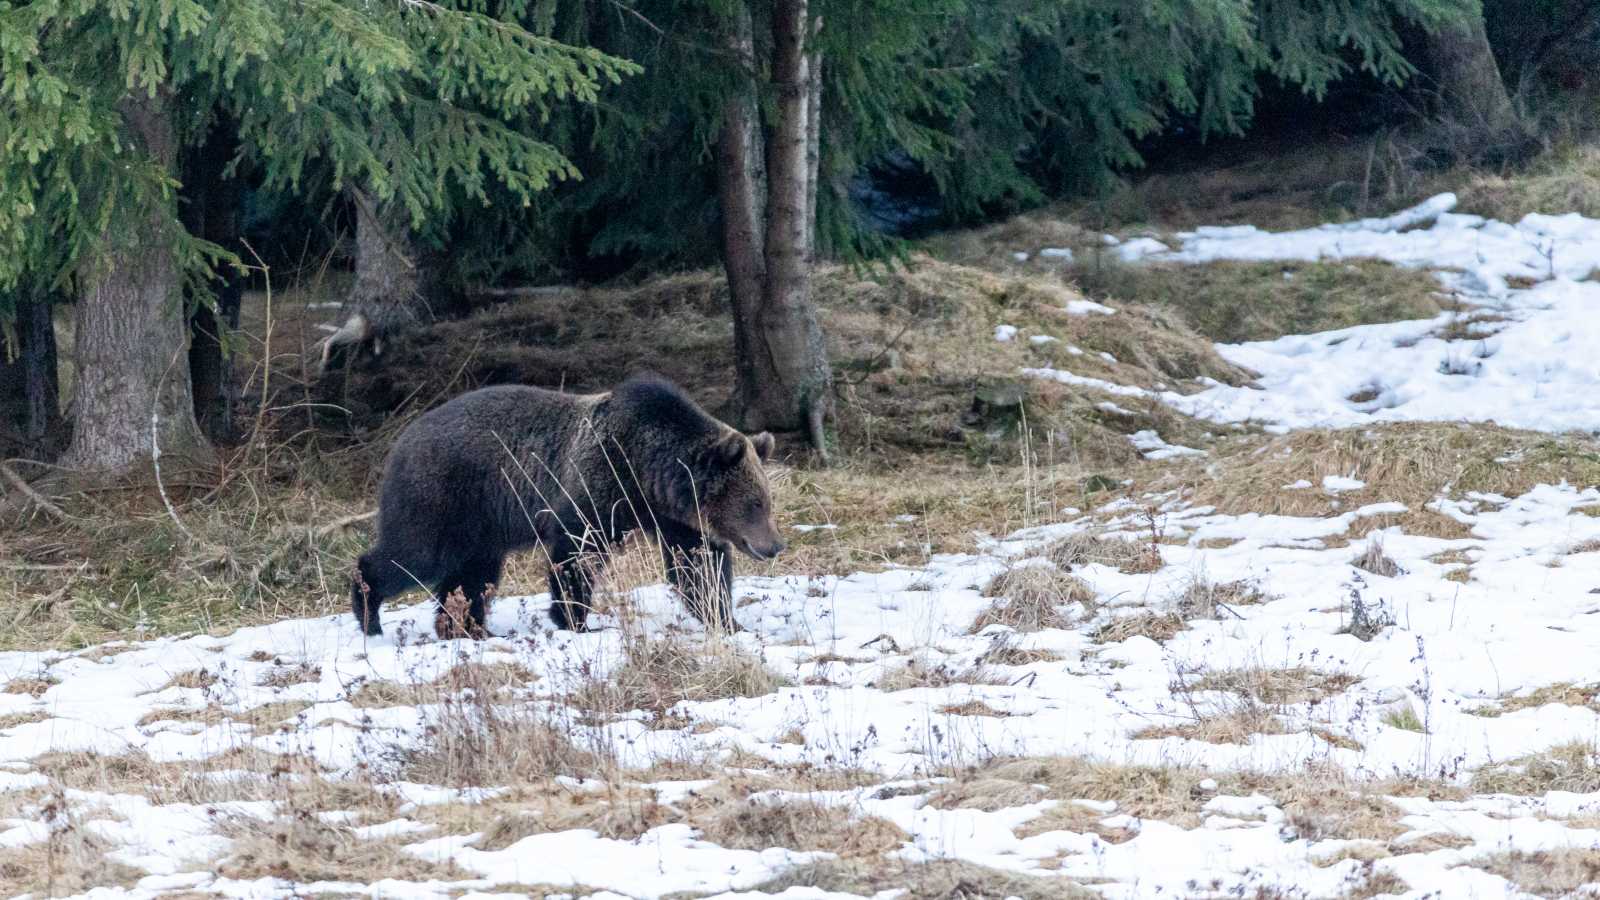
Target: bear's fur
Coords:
[(510, 468)]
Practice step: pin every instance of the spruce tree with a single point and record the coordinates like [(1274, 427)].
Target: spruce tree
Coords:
[(410, 100)]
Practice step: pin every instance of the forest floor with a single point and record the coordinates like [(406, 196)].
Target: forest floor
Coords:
[(1283, 581)]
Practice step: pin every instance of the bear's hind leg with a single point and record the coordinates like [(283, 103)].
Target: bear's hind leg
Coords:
[(476, 580)]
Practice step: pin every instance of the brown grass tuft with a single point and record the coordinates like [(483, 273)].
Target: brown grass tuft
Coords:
[(921, 673), (33, 687), (1276, 687), (1374, 560), (798, 825), (1566, 767), (1133, 556), (1551, 873), (951, 880), (1030, 598), (302, 848), (70, 861), (1157, 627), (12, 720), (1235, 726), (657, 673)]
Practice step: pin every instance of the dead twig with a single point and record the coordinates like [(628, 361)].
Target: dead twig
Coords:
[(39, 500)]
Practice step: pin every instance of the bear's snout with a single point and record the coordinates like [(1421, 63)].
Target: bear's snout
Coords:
[(764, 550)]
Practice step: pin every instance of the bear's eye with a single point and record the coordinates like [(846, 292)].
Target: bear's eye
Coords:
[(752, 509)]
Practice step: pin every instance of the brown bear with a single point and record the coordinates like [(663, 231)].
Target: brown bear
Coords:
[(510, 468)]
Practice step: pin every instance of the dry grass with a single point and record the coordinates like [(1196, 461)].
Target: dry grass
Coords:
[(1233, 302), (1204, 599), (303, 848), (921, 672), (1565, 694), (1561, 182), (1031, 597), (1374, 560), (1007, 652), (12, 720), (1551, 873), (797, 824), (70, 861), (1319, 802), (1410, 463), (1234, 726), (1566, 767), (284, 676), (657, 673), (1158, 627), (1276, 687), (541, 807), (1131, 555), (974, 708), (194, 679), (477, 738), (944, 880), (33, 687)]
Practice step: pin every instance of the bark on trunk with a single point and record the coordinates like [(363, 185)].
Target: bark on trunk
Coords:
[(29, 396), (813, 135), (211, 205), (131, 330), (393, 281), (1469, 82), (739, 198), (785, 383)]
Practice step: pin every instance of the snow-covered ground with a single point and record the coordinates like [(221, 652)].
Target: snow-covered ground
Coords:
[(1512, 347), (1480, 642)]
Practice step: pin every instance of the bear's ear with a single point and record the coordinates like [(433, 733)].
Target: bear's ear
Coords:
[(728, 449), (763, 443)]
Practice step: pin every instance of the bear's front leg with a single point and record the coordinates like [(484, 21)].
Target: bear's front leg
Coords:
[(702, 573), (571, 586)]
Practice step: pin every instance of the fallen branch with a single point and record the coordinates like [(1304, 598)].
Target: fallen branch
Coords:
[(44, 603), (38, 499)]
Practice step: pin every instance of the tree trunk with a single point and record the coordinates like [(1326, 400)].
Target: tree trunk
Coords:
[(131, 330), (393, 280), (30, 409), (211, 208), (1470, 87), (785, 383), (739, 199)]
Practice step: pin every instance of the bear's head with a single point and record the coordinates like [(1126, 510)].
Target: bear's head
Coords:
[(728, 496)]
